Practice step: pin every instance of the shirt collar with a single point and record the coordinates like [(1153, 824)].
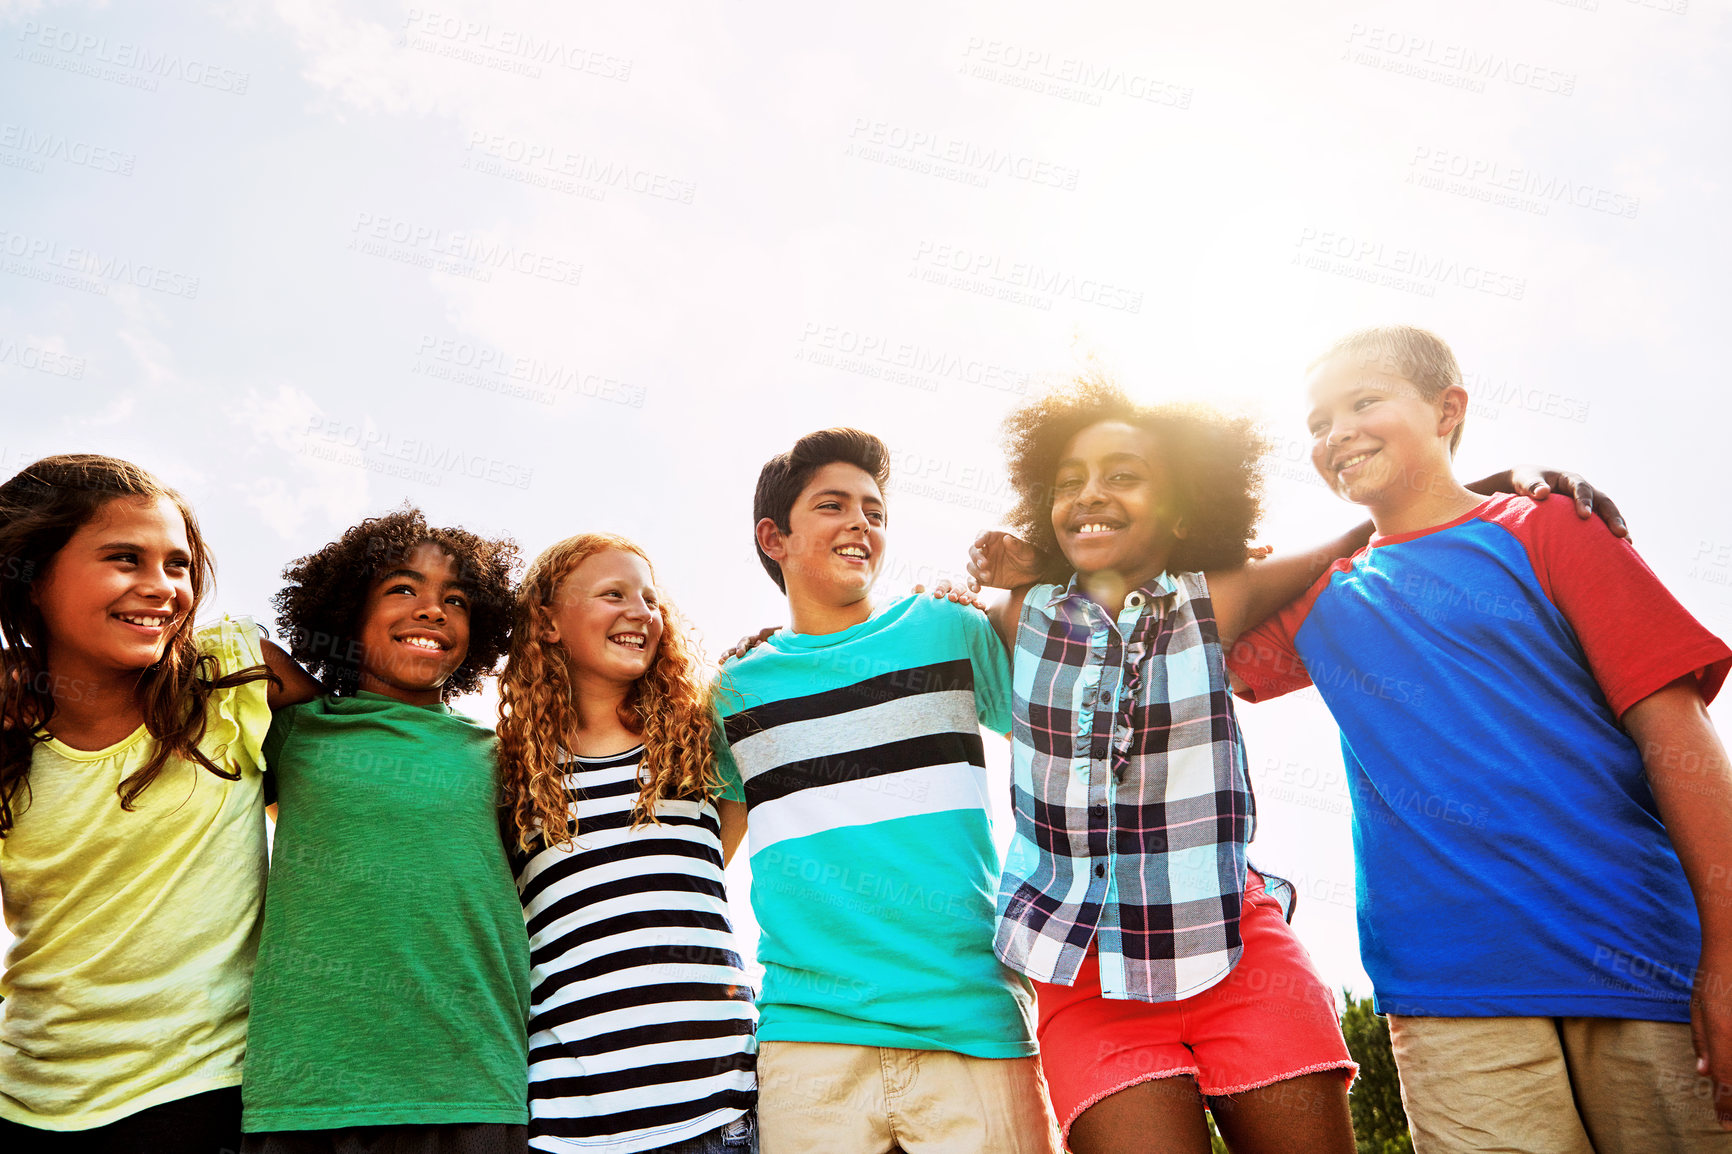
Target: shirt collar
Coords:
[(1161, 585)]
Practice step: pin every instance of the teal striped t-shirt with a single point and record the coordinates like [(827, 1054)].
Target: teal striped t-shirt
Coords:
[(874, 872)]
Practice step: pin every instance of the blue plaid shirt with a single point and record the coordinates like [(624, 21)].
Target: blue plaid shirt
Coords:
[(1133, 808)]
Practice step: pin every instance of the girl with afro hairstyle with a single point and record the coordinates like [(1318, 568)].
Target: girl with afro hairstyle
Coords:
[(393, 976), (1167, 974), (642, 1022), (132, 818)]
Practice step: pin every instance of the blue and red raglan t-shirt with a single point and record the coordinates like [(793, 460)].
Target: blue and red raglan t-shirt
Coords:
[(1511, 859)]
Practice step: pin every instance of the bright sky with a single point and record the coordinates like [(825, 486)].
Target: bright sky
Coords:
[(550, 268)]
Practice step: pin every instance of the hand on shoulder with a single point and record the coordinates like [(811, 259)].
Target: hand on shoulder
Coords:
[(959, 594), (748, 643)]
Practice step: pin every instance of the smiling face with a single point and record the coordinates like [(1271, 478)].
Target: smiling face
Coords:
[(117, 591), (1375, 439), (414, 630), (1112, 506), (607, 617), (835, 541)]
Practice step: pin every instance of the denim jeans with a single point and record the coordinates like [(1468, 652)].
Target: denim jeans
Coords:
[(738, 1137)]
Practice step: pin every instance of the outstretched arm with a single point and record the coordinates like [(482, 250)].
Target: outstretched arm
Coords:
[(1245, 596), (1692, 783)]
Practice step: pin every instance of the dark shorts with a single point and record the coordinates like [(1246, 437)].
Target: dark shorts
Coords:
[(453, 1138), (208, 1123), (738, 1137)]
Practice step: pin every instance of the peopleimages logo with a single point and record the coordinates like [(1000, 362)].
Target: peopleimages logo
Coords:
[(929, 152), (38, 359), (45, 146), (1066, 77), (1512, 185), (135, 65), (506, 49), (550, 166), (1458, 65), (1392, 266), (902, 362), (461, 253), (383, 452), (41, 255), (1019, 282), (527, 378)]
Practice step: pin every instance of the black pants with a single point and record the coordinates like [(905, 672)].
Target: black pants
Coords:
[(448, 1138), (207, 1123)]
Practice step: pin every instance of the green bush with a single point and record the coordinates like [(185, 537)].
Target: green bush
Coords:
[(1379, 1123)]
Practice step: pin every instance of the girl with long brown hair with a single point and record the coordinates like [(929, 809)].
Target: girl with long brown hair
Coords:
[(642, 1023), (132, 824)]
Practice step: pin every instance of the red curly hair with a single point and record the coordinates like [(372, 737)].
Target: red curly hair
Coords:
[(670, 706)]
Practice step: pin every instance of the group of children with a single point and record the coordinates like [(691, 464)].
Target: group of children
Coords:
[(479, 943)]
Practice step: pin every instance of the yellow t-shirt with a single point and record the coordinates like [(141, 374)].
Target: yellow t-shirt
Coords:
[(127, 980)]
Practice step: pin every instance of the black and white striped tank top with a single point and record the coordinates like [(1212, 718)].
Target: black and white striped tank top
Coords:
[(641, 1029)]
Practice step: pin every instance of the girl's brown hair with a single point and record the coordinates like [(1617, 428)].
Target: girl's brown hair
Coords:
[(40, 509), (670, 706)]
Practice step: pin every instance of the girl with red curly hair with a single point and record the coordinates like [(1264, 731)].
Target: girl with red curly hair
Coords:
[(642, 1023)]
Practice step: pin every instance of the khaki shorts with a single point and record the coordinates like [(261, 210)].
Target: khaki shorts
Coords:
[(822, 1098), (1553, 1086)]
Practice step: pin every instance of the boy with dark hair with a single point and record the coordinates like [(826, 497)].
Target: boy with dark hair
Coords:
[(1542, 811), (886, 1020), (784, 475)]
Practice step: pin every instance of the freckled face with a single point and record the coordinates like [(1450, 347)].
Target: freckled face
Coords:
[(607, 616)]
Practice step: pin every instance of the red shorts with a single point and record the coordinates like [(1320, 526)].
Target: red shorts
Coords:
[(1271, 1019)]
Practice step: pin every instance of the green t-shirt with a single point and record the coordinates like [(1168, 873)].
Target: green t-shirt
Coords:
[(874, 873), (393, 976)]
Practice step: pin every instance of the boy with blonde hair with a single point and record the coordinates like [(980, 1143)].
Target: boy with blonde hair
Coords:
[(1543, 821)]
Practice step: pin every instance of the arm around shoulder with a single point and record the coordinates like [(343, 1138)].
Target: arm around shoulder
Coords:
[(1246, 596), (733, 819), (1637, 637), (1005, 614), (292, 685)]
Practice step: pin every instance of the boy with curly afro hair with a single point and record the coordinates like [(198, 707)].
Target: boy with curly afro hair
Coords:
[(392, 924), (1166, 973)]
